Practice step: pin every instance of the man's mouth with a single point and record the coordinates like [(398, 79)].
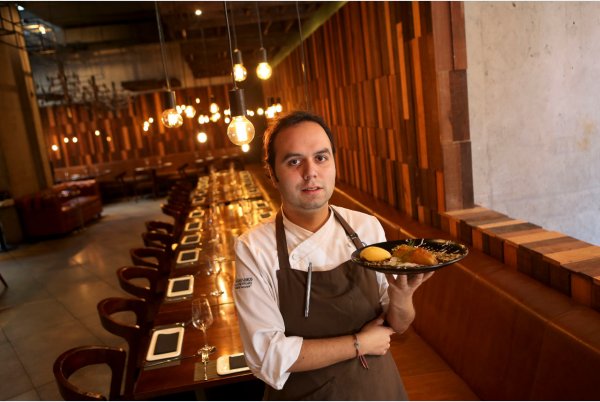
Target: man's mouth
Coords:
[(309, 189)]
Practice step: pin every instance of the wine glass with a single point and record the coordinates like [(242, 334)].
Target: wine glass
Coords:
[(202, 318), (216, 264)]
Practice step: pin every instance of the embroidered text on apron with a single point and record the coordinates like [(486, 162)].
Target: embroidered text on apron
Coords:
[(343, 300)]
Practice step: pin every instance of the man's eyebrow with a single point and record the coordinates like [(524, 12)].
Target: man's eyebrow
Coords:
[(296, 155)]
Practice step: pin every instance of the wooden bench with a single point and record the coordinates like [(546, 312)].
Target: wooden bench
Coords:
[(501, 334)]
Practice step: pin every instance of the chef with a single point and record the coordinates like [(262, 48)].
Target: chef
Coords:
[(314, 324)]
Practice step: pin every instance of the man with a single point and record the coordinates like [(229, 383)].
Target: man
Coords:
[(311, 321)]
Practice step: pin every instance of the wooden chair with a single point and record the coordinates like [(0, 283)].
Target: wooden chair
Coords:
[(152, 257), (74, 359), (129, 279), (160, 226), (133, 334), (160, 240)]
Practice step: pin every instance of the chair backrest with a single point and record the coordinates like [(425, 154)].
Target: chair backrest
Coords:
[(133, 334), (128, 274), (74, 359), (151, 257), (160, 226), (160, 240)]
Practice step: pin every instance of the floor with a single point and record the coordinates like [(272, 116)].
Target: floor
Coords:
[(50, 305)]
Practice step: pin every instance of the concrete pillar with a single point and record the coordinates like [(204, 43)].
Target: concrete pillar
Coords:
[(24, 165)]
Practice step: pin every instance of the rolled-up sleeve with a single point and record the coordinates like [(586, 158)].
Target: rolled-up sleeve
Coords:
[(268, 351)]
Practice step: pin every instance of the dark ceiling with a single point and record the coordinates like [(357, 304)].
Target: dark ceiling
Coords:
[(99, 26)]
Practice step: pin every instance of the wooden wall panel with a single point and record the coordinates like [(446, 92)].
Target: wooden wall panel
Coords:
[(380, 89), (121, 133)]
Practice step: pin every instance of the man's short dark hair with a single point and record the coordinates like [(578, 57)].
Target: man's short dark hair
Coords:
[(289, 120)]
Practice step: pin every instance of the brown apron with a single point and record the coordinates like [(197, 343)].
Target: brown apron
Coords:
[(342, 301)]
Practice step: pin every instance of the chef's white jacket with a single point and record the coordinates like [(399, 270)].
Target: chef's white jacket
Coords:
[(268, 351)]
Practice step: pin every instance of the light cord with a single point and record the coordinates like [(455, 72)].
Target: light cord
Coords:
[(162, 49), (230, 49)]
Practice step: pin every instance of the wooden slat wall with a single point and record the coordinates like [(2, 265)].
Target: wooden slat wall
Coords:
[(122, 136), (372, 74)]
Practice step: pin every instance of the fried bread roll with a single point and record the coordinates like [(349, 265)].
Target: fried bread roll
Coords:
[(375, 254), (415, 255)]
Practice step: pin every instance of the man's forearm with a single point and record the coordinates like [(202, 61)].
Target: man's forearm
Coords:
[(319, 353), (399, 317)]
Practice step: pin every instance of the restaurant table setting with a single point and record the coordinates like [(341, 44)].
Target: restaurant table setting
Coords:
[(195, 339)]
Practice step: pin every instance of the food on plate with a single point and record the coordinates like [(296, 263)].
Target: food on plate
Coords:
[(375, 254), (414, 255)]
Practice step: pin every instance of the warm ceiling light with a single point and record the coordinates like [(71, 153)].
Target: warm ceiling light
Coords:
[(170, 118), (240, 131), (108, 139), (245, 147), (227, 112), (97, 133), (198, 12), (250, 112), (20, 8), (189, 111), (260, 111), (202, 137), (239, 71), (54, 147), (227, 120), (264, 70), (213, 108), (215, 117), (197, 100), (66, 140), (74, 139), (150, 120)]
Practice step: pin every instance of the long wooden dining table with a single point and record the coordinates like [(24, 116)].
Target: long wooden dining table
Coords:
[(234, 204)]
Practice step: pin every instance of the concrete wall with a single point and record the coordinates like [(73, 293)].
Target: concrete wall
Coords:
[(534, 105)]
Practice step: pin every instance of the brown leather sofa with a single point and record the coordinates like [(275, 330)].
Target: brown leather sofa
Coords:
[(59, 209)]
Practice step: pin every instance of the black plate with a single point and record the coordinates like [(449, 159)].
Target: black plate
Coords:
[(437, 246)]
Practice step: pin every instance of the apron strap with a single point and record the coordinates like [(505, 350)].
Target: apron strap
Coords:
[(282, 251), (349, 231)]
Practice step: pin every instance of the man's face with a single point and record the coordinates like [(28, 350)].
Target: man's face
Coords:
[(304, 167)]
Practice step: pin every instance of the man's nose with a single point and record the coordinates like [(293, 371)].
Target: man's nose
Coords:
[(310, 170)]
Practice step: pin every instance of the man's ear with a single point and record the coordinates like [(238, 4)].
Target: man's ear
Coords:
[(272, 177)]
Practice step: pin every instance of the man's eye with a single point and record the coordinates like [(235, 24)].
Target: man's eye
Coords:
[(321, 158), (294, 162)]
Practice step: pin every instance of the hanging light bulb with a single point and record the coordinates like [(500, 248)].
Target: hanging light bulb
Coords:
[(245, 147), (54, 147), (227, 120), (278, 107), (239, 71), (260, 111), (150, 120), (189, 111), (97, 133), (170, 118), (240, 131), (264, 70), (215, 117), (202, 137), (66, 140), (213, 108)]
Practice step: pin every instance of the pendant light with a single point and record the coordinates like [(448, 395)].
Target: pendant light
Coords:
[(239, 71), (170, 117), (263, 70), (240, 131), (213, 107)]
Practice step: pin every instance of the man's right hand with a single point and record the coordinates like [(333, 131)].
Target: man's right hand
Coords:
[(374, 337)]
